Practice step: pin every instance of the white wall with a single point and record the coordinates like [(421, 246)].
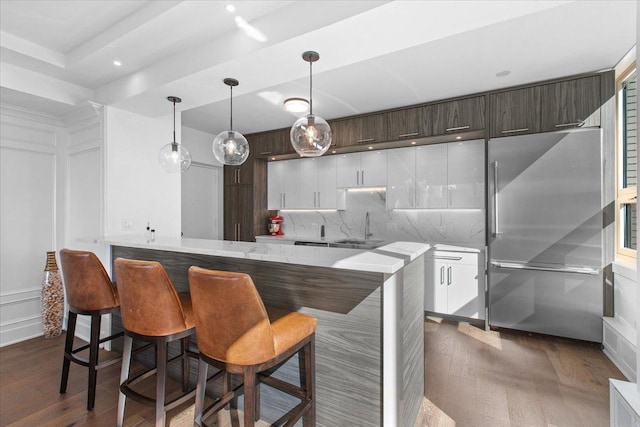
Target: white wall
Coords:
[(137, 189), (31, 203), (202, 188)]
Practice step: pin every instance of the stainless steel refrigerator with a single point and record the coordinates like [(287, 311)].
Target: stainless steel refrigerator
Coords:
[(545, 221)]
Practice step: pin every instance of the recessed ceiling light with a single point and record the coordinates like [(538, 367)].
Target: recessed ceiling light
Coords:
[(458, 137), (370, 148), (296, 105), (413, 143), (230, 8), (117, 63), (503, 73)]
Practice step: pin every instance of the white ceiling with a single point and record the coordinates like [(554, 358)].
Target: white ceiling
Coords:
[(56, 55)]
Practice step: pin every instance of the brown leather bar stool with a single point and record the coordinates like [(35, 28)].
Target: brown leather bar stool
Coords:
[(235, 334), (152, 311), (90, 292)]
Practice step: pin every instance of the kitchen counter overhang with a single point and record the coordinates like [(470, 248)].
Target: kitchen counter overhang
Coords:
[(369, 306)]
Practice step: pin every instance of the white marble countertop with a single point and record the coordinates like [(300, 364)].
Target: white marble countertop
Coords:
[(385, 259), (295, 238)]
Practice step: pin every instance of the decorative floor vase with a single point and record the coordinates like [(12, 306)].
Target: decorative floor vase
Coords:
[(52, 298)]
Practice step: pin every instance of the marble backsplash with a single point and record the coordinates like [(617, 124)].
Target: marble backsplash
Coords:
[(459, 227)]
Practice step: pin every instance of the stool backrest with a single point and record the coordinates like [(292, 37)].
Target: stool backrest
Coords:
[(149, 303), (87, 284), (232, 324)]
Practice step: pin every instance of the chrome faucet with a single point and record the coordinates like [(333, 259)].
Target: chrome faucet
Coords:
[(367, 234)]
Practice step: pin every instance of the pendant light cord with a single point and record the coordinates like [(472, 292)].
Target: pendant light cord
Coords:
[(174, 122), (310, 87), (231, 109)]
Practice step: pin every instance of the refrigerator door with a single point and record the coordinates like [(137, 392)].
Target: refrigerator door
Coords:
[(546, 299), (544, 198)]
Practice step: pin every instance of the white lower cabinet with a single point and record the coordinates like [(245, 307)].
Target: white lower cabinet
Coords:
[(454, 283), (624, 402)]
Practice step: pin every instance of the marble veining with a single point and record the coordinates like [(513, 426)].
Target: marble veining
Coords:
[(386, 259), (457, 227)]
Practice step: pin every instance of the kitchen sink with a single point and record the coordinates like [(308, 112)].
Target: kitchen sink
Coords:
[(357, 243)]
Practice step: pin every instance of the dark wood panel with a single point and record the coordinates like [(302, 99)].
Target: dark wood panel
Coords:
[(515, 112), (372, 129), (238, 213), (571, 103), (343, 132), (259, 209), (458, 116), (407, 123), (271, 143), (348, 307)]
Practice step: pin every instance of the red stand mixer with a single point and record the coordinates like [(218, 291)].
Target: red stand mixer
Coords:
[(275, 226)]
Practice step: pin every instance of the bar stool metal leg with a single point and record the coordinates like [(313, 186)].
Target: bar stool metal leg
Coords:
[(94, 344), (161, 380), (124, 374), (203, 367), (68, 348)]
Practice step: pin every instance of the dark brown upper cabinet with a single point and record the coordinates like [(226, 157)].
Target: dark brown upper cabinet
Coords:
[(408, 123), (271, 143), (515, 112), (571, 103), (359, 130), (458, 116)]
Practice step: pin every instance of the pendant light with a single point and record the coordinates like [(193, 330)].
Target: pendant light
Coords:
[(230, 147), (311, 134), (174, 157)]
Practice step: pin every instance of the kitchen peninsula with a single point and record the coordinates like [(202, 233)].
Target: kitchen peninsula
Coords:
[(370, 335)]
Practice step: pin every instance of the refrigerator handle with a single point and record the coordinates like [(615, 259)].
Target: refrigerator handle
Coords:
[(496, 231)]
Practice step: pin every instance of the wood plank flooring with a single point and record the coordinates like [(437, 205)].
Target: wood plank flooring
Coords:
[(508, 378), (472, 378)]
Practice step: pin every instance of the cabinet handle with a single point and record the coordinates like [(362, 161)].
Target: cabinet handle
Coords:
[(515, 130), (362, 173), (315, 202), (566, 125), (357, 177), (451, 258), (495, 199), (319, 199), (284, 200), (457, 128), (442, 275), (450, 197), (238, 231), (360, 141), (449, 276), (408, 135), (264, 153)]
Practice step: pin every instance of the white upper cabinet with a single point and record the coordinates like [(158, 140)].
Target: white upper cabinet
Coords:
[(367, 169), (437, 176), (274, 185), (283, 191), (466, 174), (431, 176), (327, 197), (317, 179), (302, 184), (401, 180)]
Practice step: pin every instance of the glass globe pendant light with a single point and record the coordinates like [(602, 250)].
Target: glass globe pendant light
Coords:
[(230, 147), (174, 157), (311, 134)]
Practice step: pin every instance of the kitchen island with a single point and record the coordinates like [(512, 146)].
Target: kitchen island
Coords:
[(370, 334)]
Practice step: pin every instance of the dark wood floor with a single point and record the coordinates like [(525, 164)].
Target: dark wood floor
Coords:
[(472, 377)]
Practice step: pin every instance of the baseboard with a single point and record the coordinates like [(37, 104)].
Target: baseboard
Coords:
[(20, 330), (619, 349)]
